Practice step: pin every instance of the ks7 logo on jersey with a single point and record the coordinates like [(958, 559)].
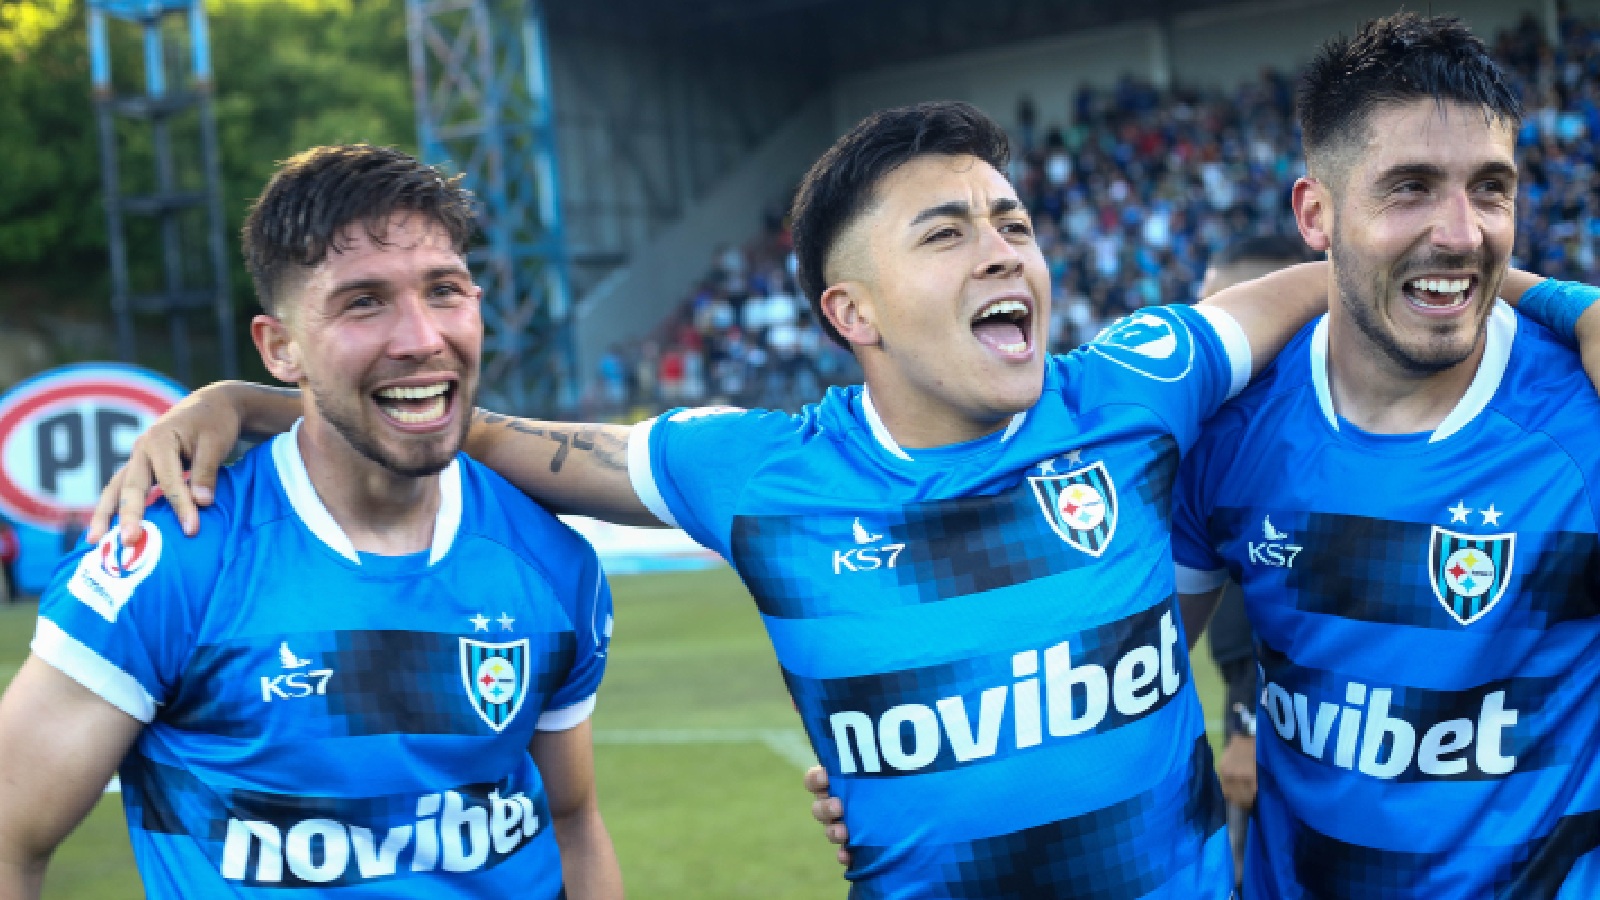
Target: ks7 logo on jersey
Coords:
[(1081, 506)]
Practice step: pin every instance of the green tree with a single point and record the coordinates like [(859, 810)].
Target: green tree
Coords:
[(289, 74)]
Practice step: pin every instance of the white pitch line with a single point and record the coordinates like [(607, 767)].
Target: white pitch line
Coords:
[(786, 742)]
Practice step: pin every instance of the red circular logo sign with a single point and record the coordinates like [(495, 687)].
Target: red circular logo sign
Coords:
[(65, 432)]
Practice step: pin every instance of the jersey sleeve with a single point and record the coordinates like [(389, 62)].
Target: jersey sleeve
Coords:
[(689, 466), (120, 617), (1180, 362), (589, 599), (1200, 569)]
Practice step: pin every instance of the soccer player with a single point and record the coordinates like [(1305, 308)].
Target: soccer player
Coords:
[(1228, 634), (963, 564), (372, 671), (1409, 500)]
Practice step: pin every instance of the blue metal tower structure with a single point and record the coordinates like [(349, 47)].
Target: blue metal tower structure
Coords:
[(482, 83), (174, 197)]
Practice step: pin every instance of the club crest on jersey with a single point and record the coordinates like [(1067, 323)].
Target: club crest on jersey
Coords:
[(496, 679), (1081, 506), (1469, 572)]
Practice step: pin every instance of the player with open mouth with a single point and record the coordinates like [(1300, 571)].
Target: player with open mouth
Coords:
[(1005, 325)]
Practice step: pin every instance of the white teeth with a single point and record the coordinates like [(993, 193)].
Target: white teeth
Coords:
[(433, 411), (414, 393), (1003, 307), (1442, 285), (1018, 347)]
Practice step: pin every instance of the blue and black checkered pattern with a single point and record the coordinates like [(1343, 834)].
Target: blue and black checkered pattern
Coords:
[(1424, 733), (1085, 857), (1537, 868), (377, 682), (948, 548), (1376, 570), (169, 800)]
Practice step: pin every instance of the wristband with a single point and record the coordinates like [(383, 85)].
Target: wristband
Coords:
[(1557, 305)]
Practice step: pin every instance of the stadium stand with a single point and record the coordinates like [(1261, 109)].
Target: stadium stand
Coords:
[(1129, 199)]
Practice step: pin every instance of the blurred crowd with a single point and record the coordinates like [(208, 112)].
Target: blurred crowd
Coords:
[(1132, 190), (746, 337), (1558, 225)]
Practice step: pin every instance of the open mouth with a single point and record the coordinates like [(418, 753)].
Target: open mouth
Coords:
[(417, 404), (1437, 295), (1005, 326)]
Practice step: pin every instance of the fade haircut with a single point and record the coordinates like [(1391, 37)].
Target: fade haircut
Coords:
[(315, 196), (840, 185), (1390, 60)]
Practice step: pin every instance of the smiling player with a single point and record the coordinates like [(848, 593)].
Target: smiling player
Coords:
[(372, 672), (1409, 500)]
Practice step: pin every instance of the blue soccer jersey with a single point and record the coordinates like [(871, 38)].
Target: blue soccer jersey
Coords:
[(332, 721), (982, 640), (1427, 611)]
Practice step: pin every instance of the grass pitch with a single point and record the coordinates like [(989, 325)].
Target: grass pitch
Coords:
[(698, 750)]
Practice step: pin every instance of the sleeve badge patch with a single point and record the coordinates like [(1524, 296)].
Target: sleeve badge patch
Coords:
[(1153, 342), (110, 572)]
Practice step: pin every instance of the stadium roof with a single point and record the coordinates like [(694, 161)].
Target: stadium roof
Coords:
[(841, 36)]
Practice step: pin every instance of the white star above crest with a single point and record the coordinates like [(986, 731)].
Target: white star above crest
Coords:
[(480, 622), (1075, 458), (1459, 512), (505, 622), (1491, 516), (1048, 467)]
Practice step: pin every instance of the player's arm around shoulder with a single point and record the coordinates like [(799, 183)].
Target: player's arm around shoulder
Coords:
[(1273, 308), (588, 861), (60, 743), (567, 467), (1567, 308)]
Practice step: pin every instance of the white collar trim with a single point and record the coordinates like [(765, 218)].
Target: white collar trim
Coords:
[(1499, 334), (880, 431), (291, 467)]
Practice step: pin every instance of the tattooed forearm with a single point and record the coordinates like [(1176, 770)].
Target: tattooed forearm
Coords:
[(608, 449)]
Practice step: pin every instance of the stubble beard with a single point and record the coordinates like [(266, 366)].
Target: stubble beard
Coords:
[(1362, 291), (422, 462)]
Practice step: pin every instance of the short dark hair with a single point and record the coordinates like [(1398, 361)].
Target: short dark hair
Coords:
[(315, 195), (840, 185), (1262, 248), (1397, 58)]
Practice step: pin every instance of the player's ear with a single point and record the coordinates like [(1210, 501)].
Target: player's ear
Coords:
[(848, 306), (277, 348), (1313, 213)]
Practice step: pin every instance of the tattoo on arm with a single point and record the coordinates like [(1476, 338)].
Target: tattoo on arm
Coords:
[(607, 449)]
